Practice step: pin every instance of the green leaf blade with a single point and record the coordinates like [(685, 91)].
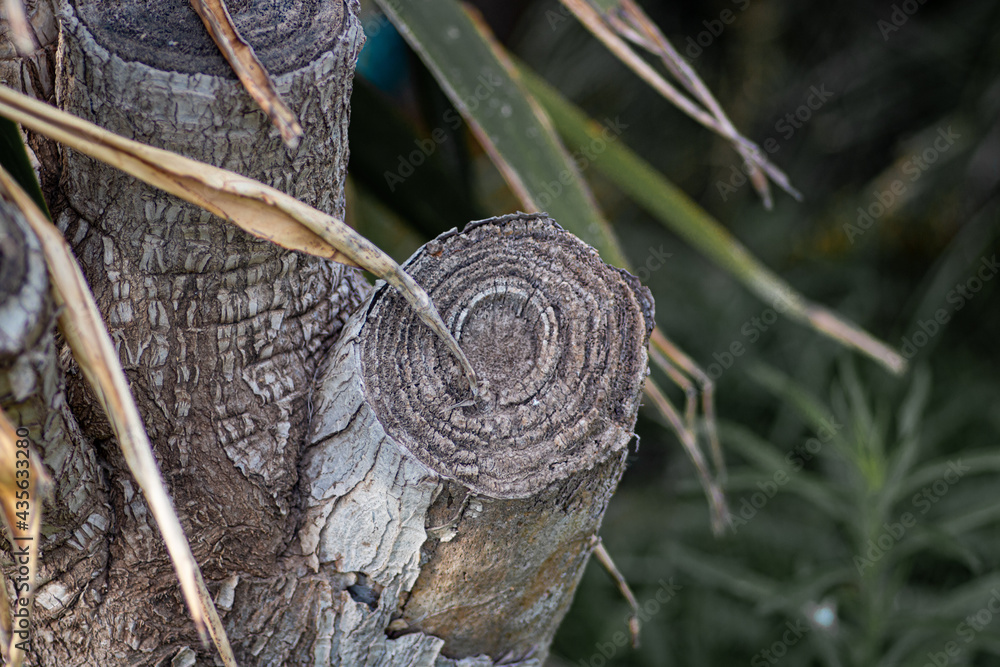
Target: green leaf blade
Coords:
[(516, 133)]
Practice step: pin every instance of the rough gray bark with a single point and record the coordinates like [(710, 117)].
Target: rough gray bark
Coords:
[(331, 531)]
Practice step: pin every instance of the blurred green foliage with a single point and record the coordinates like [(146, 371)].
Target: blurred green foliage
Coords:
[(859, 536)]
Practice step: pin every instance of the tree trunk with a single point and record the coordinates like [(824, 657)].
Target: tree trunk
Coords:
[(472, 525), (343, 509)]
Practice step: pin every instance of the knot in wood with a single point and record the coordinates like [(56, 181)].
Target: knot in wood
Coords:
[(559, 337)]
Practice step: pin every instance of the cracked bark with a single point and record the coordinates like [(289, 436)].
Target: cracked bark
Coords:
[(332, 530)]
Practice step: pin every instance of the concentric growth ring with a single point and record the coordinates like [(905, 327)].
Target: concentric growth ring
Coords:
[(559, 337)]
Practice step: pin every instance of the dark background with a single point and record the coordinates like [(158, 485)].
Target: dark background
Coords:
[(784, 587)]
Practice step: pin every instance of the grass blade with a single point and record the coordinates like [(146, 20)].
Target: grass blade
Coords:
[(21, 34), (14, 158), (483, 84), (682, 215)]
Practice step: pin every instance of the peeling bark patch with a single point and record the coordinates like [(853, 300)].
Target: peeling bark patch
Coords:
[(559, 336), (503, 582)]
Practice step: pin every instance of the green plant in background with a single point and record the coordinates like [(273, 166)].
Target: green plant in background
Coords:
[(858, 544)]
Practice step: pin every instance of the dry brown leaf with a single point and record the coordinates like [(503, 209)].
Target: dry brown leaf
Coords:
[(251, 205), (683, 372), (251, 72), (22, 35), (81, 325), (259, 209), (604, 558), (713, 491), (22, 479), (630, 22)]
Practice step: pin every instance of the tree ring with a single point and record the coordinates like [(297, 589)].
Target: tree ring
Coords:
[(559, 336)]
